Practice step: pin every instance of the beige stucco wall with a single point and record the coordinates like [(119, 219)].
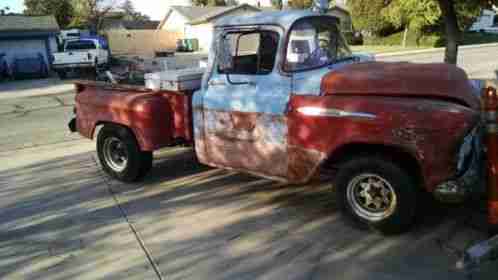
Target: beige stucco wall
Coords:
[(204, 32), (142, 42), (175, 23)]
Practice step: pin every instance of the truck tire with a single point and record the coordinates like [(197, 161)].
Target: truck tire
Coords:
[(120, 155), (376, 192)]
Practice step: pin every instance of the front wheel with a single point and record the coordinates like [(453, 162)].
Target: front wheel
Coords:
[(120, 155), (376, 192)]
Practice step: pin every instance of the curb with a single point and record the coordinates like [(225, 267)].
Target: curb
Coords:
[(403, 53)]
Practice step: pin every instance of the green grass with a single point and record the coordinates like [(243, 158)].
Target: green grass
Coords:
[(393, 42), (383, 49), (396, 39)]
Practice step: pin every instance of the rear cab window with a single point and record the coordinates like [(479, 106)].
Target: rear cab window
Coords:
[(252, 52), (80, 45)]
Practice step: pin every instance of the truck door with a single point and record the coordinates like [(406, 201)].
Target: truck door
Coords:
[(245, 103)]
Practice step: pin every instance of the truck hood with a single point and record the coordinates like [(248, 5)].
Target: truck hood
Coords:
[(402, 79)]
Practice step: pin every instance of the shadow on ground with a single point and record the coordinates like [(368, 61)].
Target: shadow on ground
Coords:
[(59, 221)]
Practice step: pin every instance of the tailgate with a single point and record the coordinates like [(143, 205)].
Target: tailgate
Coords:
[(73, 57)]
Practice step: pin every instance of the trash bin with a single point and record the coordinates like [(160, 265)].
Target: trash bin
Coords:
[(188, 45), (194, 43), (181, 45)]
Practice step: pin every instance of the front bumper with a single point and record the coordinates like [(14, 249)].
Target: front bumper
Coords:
[(73, 65), (469, 180)]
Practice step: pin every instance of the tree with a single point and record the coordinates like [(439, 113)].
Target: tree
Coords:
[(209, 3), (366, 15), (450, 9), (300, 4), (277, 4), (4, 10), (61, 9), (129, 12), (92, 12), (412, 15)]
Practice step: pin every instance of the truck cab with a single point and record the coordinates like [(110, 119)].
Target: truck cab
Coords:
[(256, 65)]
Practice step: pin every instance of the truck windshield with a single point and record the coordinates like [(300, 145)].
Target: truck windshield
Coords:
[(314, 43), (80, 45)]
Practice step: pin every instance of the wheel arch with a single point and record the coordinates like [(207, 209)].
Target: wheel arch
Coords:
[(100, 124), (398, 155)]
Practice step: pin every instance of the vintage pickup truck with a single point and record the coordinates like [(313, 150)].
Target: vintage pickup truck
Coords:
[(284, 98)]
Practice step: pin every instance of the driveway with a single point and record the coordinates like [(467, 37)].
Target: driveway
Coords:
[(62, 218)]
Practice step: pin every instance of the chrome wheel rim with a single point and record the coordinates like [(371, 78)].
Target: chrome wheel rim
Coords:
[(115, 154), (371, 197)]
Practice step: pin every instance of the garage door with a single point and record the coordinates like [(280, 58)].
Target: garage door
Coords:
[(13, 48)]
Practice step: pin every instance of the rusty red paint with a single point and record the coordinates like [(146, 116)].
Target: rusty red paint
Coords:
[(156, 118), (302, 163), (443, 81), (430, 132)]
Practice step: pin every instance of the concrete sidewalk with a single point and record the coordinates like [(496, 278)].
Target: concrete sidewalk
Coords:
[(29, 88)]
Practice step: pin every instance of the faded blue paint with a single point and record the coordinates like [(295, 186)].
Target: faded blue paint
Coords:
[(267, 94), (281, 18), (48, 51)]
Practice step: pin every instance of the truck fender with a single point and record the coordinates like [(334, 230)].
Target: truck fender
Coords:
[(407, 160)]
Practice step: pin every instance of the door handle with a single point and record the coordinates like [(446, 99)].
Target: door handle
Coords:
[(217, 83)]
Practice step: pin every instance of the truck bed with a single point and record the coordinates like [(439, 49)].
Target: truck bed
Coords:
[(158, 119)]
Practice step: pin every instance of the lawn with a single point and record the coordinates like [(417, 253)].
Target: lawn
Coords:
[(392, 43), (375, 49)]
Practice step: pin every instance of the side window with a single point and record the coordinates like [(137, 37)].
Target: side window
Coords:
[(252, 53), (495, 20)]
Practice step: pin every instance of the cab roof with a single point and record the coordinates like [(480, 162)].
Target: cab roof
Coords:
[(283, 18)]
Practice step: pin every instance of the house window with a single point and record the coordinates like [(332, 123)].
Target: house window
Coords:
[(495, 20), (252, 53)]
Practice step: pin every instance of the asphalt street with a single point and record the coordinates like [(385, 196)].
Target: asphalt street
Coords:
[(61, 217), (479, 63)]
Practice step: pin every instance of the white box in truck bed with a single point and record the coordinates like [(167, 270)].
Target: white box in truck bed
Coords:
[(175, 80)]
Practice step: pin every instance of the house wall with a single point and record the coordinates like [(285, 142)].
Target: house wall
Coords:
[(204, 32), (142, 42), (175, 23), (22, 47)]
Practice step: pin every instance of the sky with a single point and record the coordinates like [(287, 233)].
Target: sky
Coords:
[(156, 9)]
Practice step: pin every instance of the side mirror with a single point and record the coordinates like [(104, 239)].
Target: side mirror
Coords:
[(224, 55)]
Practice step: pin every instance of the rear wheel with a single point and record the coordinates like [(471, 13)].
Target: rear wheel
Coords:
[(120, 155), (376, 192)]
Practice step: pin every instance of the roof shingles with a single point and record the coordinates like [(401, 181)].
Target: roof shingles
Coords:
[(196, 15), (28, 23)]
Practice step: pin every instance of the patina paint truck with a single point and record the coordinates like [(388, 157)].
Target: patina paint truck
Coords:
[(284, 98)]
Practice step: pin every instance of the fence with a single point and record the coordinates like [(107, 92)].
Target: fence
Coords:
[(142, 42)]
